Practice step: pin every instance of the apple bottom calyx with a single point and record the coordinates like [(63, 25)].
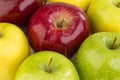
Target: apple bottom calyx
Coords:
[(113, 44), (49, 64)]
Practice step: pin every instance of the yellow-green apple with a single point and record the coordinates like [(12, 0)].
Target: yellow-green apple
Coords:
[(47, 65), (104, 15), (18, 11), (14, 48), (98, 57), (82, 4), (58, 27)]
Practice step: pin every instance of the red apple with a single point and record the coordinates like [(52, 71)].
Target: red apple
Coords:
[(58, 27), (18, 11)]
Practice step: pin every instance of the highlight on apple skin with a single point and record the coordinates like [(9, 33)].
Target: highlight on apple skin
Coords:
[(47, 65), (98, 57), (18, 11), (14, 48), (104, 15), (58, 27)]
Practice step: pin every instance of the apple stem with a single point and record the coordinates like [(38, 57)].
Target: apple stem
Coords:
[(49, 64), (113, 44), (60, 23)]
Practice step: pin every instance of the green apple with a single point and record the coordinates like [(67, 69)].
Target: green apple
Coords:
[(98, 57), (82, 4), (104, 15), (47, 65), (14, 48)]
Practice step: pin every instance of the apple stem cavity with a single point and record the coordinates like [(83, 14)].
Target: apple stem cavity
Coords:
[(117, 4), (49, 64), (113, 44), (61, 24)]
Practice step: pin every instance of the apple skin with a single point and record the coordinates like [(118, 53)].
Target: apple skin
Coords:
[(82, 4), (46, 33), (14, 48), (96, 61), (35, 66), (104, 15), (18, 11)]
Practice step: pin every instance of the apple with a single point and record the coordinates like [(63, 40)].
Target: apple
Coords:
[(14, 48), (104, 15), (47, 65), (18, 11), (98, 57), (58, 27), (82, 4)]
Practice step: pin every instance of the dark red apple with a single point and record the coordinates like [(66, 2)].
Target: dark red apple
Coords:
[(18, 11), (58, 27)]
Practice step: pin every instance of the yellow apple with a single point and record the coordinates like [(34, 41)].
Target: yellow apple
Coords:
[(104, 15), (14, 48), (82, 4)]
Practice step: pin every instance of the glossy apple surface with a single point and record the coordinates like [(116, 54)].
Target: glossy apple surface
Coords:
[(58, 27), (47, 65), (18, 11), (82, 4), (98, 57), (104, 15), (14, 48)]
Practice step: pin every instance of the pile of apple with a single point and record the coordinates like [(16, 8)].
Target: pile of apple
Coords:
[(59, 40)]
